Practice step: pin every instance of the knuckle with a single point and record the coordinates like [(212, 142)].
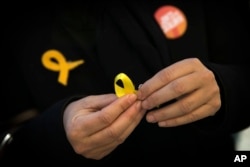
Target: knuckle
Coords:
[(185, 107), (208, 75), (78, 149), (177, 87), (105, 118), (113, 135), (194, 62), (215, 106), (193, 117), (166, 75)]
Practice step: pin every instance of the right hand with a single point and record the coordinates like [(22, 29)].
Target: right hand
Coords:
[(96, 125)]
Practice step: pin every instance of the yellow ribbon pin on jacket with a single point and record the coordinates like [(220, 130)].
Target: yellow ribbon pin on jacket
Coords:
[(128, 86), (55, 61)]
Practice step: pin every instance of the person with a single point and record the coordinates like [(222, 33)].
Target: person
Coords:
[(125, 82)]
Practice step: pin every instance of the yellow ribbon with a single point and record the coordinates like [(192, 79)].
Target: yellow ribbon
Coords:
[(128, 86), (55, 61)]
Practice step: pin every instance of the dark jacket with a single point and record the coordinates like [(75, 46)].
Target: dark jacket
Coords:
[(112, 37)]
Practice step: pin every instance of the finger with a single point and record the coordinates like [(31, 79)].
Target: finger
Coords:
[(181, 107), (112, 136), (121, 127), (97, 153), (167, 75), (98, 102), (200, 113), (187, 103), (129, 120), (96, 121), (173, 90)]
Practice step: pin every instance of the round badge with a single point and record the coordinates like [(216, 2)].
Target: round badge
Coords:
[(172, 21)]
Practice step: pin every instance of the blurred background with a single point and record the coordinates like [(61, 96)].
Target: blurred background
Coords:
[(243, 140)]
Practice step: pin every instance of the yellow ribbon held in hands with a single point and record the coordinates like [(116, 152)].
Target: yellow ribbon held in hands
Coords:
[(126, 87)]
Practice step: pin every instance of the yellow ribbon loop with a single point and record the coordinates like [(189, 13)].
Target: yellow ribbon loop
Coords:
[(55, 61), (128, 86)]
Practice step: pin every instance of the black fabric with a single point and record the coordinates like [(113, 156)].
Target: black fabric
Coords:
[(123, 36)]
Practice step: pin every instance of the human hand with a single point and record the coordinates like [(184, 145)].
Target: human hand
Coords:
[(96, 125), (191, 84)]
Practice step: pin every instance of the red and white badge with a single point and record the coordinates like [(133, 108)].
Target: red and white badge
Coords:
[(172, 21)]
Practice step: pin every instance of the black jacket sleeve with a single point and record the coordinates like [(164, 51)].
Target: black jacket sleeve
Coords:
[(43, 140)]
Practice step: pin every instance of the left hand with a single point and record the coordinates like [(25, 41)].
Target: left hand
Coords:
[(191, 84)]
